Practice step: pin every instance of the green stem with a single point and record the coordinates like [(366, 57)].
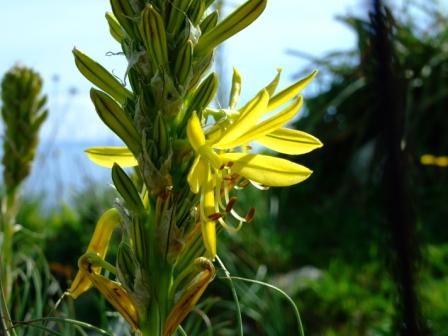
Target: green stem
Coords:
[(6, 325), (153, 325), (8, 215), (160, 304), (7, 221)]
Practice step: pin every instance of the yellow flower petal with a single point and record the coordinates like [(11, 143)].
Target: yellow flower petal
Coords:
[(196, 174), (236, 89), (208, 226), (103, 232), (99, 244), (290, 92), (249, 116), (189, 296), (266, 170), (107, 156), (114, 293), (272, 86), (289, 141), (194, 132), (267, 126)]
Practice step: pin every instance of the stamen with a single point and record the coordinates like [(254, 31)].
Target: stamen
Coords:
[(232, 211), (231, 203), (250, 215), (215, 216), (230, 228), (243, 184), (218, 192), (237, 216), (259, 186)]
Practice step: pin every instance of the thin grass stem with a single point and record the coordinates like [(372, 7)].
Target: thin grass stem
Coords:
[(290, 300), (235, 297)]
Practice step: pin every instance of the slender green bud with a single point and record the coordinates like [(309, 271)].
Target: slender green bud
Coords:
[(126, 265), (160, 135), (139, 240), (114, 27), (208, 3), (125, 16), (197, 11), (204, 94), (100, 77), (182, 67), (177, 15), (152, 30), (127, 189), (209, 22), (232, 24), (116, 119)]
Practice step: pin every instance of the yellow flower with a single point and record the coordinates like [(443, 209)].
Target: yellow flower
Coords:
[(221, 153), (431, 160)]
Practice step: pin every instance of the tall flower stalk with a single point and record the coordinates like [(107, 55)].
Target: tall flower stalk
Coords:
[(191, 157), (23, 112)]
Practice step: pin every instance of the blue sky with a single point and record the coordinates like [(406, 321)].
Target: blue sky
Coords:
[(42, 33)]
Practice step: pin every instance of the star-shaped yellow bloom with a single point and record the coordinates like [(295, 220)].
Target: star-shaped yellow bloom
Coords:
[(222, 152)]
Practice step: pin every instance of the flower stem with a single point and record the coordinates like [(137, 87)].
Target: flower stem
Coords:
[(7, 220)]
